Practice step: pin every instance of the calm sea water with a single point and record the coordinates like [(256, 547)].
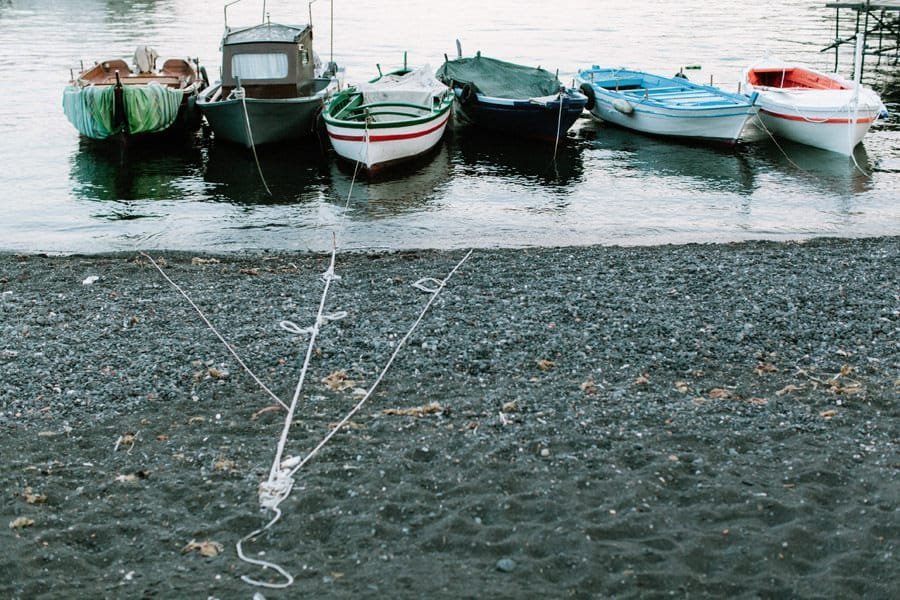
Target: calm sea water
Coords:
[(605, 186)]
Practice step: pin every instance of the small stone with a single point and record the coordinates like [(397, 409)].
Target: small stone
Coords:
[(506, 565), (545, 452)]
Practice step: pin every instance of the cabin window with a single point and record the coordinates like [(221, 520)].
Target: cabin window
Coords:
[(304, 56), (259, 66)]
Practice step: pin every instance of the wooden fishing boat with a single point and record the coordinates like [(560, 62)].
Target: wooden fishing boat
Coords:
[(270, 90), (802, 104), (391, 119), (510, 98), (112, 100), (665, 106)]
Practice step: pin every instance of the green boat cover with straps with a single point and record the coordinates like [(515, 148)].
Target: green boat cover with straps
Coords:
[(499, 79), (150, 108)]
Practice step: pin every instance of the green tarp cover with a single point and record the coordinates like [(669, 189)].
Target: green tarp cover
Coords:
[(91, 110), (500, 79), (150, 108)]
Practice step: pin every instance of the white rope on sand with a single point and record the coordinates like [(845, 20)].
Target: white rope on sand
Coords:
[(215, 331), (281, 476)]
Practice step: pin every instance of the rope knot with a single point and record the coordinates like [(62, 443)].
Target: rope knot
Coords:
[(323, 319), (330, 275), (274, 491)]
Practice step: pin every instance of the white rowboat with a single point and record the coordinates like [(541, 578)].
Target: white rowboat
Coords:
[(802, 104), (391, 119)]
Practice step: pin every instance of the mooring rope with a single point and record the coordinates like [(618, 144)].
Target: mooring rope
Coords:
[(558, 126), (215, 331), (777, 145), (243, 97), (853, 120), (278, 487), (441, 283)]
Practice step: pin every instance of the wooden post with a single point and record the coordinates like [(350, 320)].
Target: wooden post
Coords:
[(837, 36)]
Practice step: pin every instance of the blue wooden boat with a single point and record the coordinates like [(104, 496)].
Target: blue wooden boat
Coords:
[(665, 106), (510, 98)]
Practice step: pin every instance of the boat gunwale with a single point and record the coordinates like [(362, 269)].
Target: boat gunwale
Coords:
[(446, 105), (569, 95), (729, 99), (349, 95)]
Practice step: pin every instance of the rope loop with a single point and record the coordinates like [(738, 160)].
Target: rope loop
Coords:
[(425, 284), (292, 327)]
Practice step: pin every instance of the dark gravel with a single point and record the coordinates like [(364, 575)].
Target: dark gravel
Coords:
[(700, 420)]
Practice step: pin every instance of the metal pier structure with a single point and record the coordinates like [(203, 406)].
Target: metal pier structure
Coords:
[(877, 22)]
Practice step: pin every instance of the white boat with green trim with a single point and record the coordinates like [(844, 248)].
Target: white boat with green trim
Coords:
[(393, 118)]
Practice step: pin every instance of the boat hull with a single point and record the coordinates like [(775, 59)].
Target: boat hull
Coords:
[(714, 125), (547, 120), (810, 107), (835, 134), (668, 107), (270, 120), (378, 147)]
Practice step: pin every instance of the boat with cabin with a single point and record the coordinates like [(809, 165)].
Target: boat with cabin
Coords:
[(393, 118), (510, 98), (805, 105), (112, 100), (270, 89), (666, 106)]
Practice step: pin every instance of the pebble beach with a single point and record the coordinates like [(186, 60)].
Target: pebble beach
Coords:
[(712, 420)]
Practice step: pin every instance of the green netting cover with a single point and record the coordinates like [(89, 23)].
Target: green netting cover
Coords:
[(150, 108), (91, 110), (499, 79)]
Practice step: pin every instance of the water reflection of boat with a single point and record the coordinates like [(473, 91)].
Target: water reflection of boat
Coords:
[(406, 188), (821, 169), (234, 178), (487, 154), (718, 168), (101, 172)]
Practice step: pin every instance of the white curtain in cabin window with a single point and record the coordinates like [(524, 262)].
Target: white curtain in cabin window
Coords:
[(259, 66)]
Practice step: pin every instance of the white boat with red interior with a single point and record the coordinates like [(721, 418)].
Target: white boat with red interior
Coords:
[(805, 105)]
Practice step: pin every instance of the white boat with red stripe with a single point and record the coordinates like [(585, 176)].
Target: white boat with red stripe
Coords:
[(802, 104), (391, 119)]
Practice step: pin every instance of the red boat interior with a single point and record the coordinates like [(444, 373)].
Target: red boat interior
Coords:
[(793, 77)]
